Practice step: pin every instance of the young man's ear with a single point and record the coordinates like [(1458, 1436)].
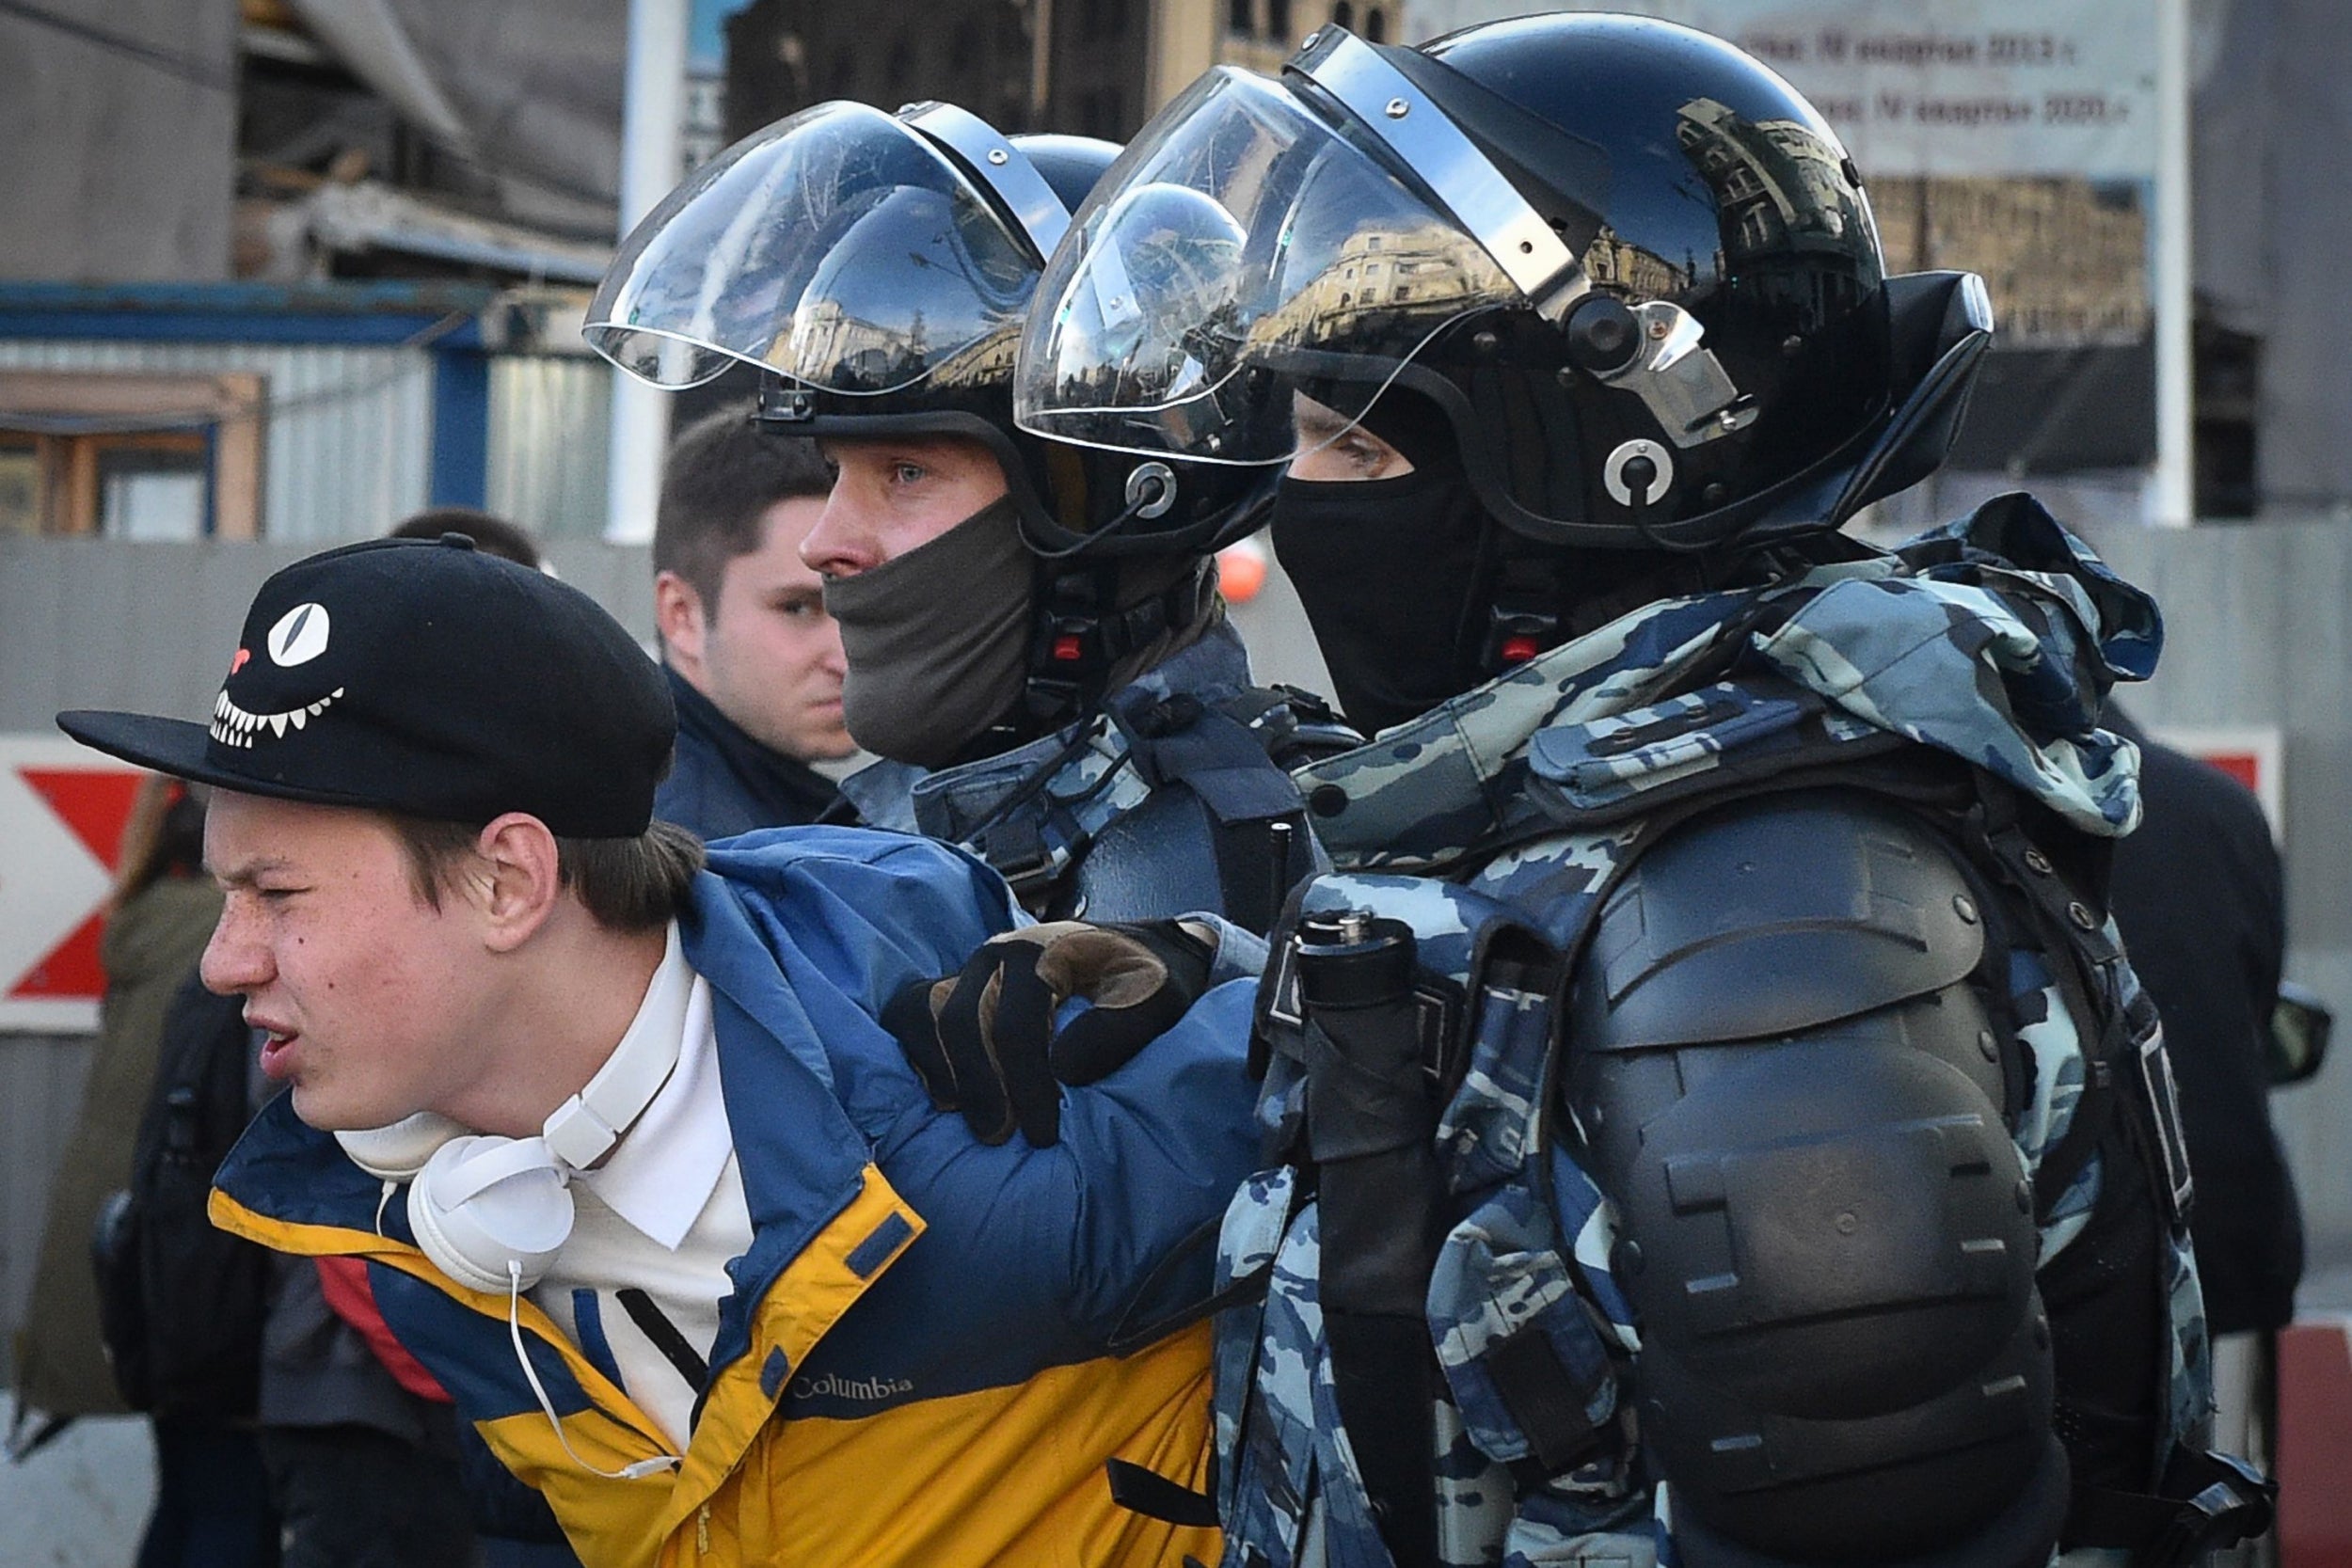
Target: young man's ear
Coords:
[(683, 621), (515, 879)]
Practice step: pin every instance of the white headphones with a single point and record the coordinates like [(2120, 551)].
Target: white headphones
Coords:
[(492, 1213)]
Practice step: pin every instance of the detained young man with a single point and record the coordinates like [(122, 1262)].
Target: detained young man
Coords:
[(637, 1172)]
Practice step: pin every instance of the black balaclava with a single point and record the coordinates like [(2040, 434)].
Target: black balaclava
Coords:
[(1398, 576), (1387, 569)]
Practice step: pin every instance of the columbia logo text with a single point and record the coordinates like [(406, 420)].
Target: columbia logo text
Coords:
[(831, 1386)]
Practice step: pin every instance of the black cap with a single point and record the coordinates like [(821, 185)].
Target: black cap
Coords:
[(424, 677)]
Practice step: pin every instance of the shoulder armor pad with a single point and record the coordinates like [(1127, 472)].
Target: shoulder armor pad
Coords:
[(1155, 860), (1775, 915)]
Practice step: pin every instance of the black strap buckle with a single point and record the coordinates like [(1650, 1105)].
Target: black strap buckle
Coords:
[(2220, 1515), (1016, 849), (1080, 633), (1516, 635), (2209, 1500)]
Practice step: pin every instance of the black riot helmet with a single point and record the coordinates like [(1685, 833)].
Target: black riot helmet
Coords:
[(1632, 266), (877, 268)]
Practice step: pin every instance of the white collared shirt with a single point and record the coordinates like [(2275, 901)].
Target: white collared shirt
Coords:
[(662, 1214)]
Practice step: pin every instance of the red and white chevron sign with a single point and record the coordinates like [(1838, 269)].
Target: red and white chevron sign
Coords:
[(2253, 754), (62, 808)]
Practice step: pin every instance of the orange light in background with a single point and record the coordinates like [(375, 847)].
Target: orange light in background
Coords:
[(1241, 570)]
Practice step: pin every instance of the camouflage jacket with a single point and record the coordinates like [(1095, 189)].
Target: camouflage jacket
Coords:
[(1037, 813), (1991, 640)]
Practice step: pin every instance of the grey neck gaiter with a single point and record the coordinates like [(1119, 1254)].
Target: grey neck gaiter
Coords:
[(936, 640)]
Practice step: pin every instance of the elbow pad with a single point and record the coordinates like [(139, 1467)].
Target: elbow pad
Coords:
[(1790, 1081)]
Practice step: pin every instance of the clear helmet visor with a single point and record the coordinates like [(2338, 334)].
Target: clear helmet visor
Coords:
[(838, 247), (1241, 252)]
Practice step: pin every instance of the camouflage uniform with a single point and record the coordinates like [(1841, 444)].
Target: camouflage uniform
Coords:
[(1035, 813), (1514, 804)]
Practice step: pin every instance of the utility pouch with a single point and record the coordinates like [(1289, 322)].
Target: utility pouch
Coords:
[(1371, 1115)]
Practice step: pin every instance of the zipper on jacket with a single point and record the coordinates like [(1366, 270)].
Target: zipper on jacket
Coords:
[(702, 1530)]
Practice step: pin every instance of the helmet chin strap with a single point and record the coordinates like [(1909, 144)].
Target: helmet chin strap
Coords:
[(1081, 632), (1078, 638), (1523, 597), (1080, 635), (1077, 633), (1540, 596)]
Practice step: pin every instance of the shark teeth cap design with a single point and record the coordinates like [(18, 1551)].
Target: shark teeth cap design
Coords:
[(233, 726)]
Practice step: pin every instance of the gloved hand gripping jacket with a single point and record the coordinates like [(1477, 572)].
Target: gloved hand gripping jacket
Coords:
[(985, 1041)]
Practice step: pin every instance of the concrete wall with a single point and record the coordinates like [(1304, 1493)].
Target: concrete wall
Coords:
[(103, 622), (117, 140)]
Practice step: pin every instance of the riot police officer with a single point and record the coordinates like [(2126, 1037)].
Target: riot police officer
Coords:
[(1712, 1041), (1036, 645)]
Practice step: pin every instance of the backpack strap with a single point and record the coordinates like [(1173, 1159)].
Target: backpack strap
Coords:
[(1221, 755), (1037, 829), (181, 1303), (2201, 1500), (2126, 1066)]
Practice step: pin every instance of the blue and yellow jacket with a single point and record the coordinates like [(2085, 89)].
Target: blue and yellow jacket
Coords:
[(916, 1364)]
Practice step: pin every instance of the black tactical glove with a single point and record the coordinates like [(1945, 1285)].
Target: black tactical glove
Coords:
[(984, 1042)]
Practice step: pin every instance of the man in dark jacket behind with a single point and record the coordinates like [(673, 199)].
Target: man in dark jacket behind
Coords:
[(755, 662), (2198, 893)]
